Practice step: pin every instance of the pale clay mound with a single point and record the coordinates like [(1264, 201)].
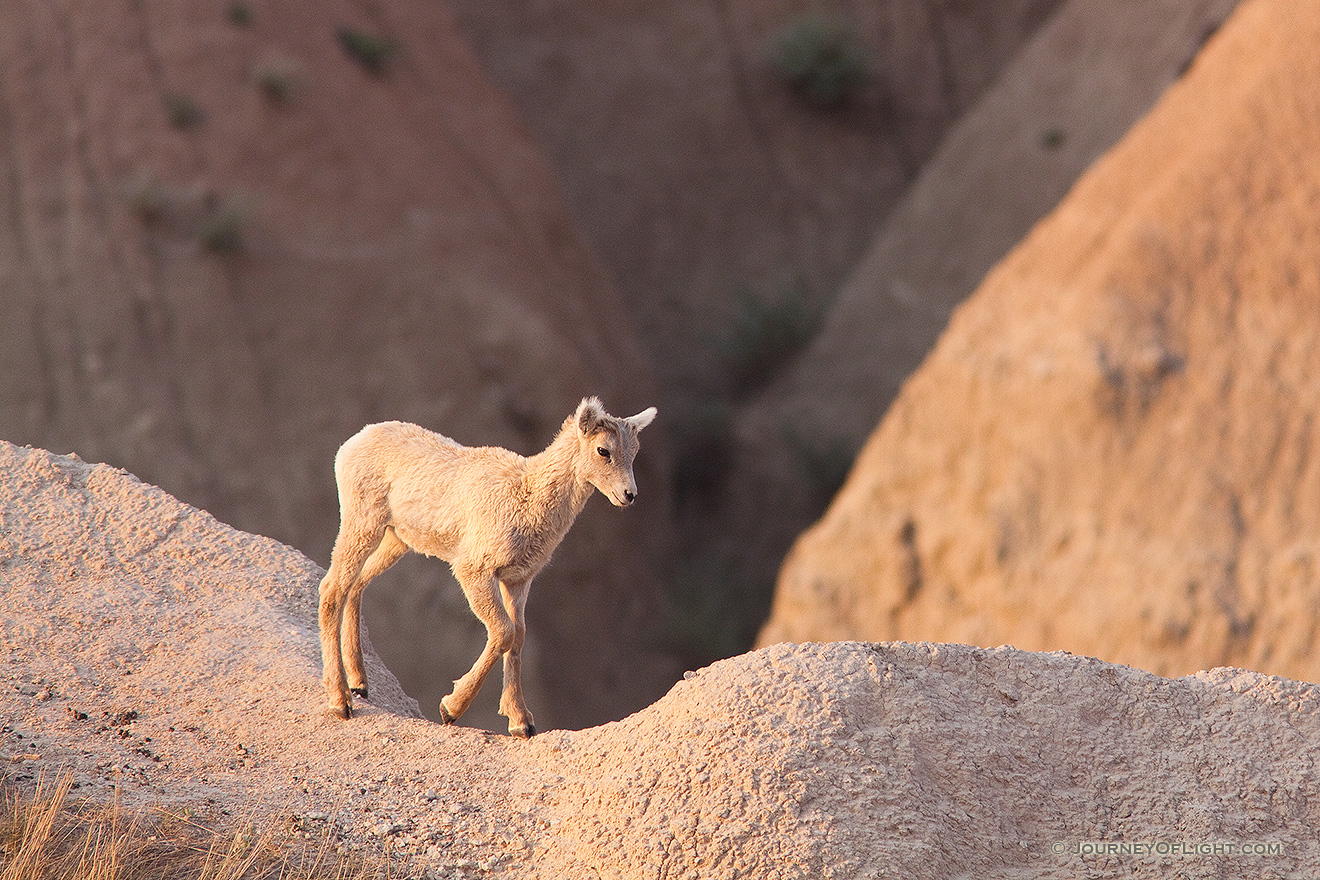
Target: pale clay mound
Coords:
[(825, 761)]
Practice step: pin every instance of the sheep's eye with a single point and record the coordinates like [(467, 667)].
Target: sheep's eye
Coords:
[(604, 453)]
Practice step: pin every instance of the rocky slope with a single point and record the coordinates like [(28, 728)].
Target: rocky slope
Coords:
[(1079, 84), (163, 658), (230, 242), (1112, 448), (1077, 87), (698, 176)]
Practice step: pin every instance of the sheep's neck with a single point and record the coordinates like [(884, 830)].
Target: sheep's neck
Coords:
[(556, 491)]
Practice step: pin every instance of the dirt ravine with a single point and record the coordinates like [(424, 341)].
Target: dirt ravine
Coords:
[(1074, 89), (165, 658), (698, 176)]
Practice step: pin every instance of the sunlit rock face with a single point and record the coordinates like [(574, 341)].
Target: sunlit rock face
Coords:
[(1112, 449)]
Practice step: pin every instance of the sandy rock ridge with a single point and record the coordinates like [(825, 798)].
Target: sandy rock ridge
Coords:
[(147, 647)]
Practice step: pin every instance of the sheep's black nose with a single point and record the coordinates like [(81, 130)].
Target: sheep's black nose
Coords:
[(629, 496)]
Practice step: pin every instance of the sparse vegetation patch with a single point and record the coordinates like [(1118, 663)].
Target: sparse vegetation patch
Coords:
[(702, 434), (765, 333), (277, 79), (151, 200), (50, 836), (183, 112), (1052, 138), (222, 229), (703, 621), (194, 213), (822, 57), (373, 52), (824, 461), (239, 14)]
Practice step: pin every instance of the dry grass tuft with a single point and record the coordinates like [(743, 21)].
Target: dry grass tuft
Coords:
[(47, 836)]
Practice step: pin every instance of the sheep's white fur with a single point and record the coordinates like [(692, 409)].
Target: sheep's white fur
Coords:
[(495, 516)]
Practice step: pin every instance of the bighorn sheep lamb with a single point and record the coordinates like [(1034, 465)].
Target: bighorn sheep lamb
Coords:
[(494, 515)]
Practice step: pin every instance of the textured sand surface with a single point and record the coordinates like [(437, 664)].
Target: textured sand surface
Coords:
[(150, 649)]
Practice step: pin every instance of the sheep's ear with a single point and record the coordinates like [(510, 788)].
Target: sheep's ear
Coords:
[(590, 414), (642, 419)]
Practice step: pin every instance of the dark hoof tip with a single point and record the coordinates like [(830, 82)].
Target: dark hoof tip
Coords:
[(345, 712), (445, 717), (526, 731), (360, 691)]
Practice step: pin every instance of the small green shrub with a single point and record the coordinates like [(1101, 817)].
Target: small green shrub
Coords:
[(371, 51), (702, 621), (822, 57), (276, 79), (1052, 138), (702, 434), (239, 14), (824, 461), (222, 229), (183, 112), (765, 334), (150, 199)]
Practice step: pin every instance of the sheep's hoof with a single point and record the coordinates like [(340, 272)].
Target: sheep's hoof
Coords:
[(343, 710), (445, 717), (360, 691), (523, 731)]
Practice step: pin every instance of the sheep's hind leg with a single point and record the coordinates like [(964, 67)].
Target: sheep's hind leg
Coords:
[(352, 548), (390, 550), (480, 590)]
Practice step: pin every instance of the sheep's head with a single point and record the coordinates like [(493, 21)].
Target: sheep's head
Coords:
[(608, 445)]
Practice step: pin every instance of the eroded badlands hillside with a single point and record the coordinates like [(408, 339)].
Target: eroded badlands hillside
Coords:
[(230, 242), (1112, 450), (163, 658), (1084, 78), (699, 176)]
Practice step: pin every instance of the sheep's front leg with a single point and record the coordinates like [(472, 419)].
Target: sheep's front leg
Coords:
[(331, 614), (483, 597), (512, 704)]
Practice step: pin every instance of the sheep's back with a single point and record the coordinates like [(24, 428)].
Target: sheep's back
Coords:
[(436, 490)]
